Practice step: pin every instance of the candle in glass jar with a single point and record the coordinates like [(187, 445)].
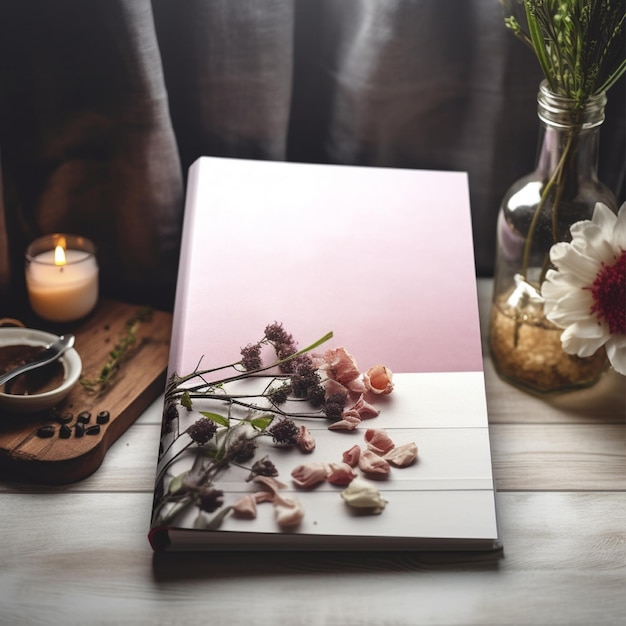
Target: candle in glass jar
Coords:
[(62, 277)]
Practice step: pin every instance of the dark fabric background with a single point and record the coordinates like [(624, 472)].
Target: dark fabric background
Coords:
[(104, 105)]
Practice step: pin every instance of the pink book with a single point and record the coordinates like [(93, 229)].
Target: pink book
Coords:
[(382, 259)]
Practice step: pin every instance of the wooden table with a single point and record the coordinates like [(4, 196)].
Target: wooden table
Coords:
[(79, 554)]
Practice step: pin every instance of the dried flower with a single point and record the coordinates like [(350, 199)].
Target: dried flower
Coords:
[(254, 413), (340, 365), (586, 294), (333, 407), (251, 357), (210, 500), (379, 380), (284, 432), (263, 467), (202, 430), (242, 450), (277, 334)]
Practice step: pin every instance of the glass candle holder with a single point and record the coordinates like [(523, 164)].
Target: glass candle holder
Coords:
[(62, 277)]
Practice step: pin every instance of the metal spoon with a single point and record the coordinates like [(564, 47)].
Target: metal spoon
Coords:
[(50, 353)]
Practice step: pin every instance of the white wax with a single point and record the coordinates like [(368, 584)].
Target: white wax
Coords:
[(62, 293)]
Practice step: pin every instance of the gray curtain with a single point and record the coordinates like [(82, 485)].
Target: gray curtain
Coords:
[(104, 104)]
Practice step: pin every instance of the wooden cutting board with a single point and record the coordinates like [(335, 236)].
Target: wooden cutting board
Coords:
[(25, 456)]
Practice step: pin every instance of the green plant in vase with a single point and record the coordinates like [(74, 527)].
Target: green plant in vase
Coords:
[(580, 47)]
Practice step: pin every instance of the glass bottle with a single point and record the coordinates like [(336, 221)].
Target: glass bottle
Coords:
[(536, 212)]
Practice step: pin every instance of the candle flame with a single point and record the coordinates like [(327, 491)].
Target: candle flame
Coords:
[(59, 255)]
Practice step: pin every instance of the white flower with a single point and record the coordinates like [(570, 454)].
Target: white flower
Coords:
[(587, 295)]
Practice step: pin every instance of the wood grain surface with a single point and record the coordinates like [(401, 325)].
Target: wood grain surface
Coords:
[(56, 460)]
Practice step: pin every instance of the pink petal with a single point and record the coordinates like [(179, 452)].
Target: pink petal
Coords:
[(273, 484), (349, 422), (307, 476), (332, 387), (306, 441), (372, 464), (402, 456), (364, 409), (341, 365), (351, 456), (288, 512), (245, 507), (378, 441), (340, 474)]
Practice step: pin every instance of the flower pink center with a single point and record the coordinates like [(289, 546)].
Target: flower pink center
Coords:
[(609, 295)]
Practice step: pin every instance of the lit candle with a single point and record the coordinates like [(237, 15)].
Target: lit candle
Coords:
[(62, 277)]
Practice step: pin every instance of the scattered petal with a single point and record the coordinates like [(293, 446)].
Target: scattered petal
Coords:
[(351, 456), (307, 476), (306, 441), (378, 441), (402, 456), (364, 496), (271, 483), (340, 474), (245, 507), (373, 465), (289, 512), (364, 409), (348, 422)]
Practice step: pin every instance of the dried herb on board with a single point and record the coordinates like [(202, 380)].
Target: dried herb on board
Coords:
[(120, 353)]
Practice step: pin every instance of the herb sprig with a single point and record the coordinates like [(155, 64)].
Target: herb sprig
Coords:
[(579, 44), (120, 353)]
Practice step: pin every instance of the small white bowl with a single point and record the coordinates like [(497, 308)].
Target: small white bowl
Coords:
[(72, 366)]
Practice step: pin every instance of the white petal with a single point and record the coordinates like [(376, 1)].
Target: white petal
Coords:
[(619, 231), (616, 351), (572, 308), (583, 339), (569, 259), (604, 218), (593, 242)]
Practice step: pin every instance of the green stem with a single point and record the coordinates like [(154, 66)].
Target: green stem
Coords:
[(556, 180)]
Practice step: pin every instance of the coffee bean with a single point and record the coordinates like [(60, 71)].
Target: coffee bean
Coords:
[(93, 430), (84, 417), (45, 432), (65, 432), (103, 417), (79, 429), (65, 418)]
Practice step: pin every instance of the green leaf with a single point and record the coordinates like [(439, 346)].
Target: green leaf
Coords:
[(216, 520), (185, 400), (261, 423), (176, 484), (218, 419)]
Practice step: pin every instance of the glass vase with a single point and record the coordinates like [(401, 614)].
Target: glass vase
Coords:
[(537, 212)]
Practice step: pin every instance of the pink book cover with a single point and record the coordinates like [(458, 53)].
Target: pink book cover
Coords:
[(383, 259)]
